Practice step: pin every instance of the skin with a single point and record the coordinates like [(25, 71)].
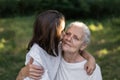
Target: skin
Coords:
[(72, 43), (76, 37), (36, 72)]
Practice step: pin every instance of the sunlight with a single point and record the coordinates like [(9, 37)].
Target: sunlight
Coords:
[(116, 49), (2, 43), (102, 41), (102, 52), (97, 27), (1, 29)]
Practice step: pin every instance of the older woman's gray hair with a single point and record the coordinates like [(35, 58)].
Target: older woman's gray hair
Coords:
[(85, 30)]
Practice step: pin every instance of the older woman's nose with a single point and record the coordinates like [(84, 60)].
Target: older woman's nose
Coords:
[(69, 38)]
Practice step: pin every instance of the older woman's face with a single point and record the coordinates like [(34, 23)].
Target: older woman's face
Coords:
[(73, 39)]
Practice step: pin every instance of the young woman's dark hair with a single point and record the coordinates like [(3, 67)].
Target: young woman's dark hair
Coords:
[(46, 29)]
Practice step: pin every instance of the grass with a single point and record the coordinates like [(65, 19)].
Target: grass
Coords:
[(15, 34)]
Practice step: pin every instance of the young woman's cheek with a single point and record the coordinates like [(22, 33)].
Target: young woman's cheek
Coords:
[(62, 35)]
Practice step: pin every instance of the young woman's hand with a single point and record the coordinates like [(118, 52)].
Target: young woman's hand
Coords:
[(30, 70), (90, 66), (91, 63)]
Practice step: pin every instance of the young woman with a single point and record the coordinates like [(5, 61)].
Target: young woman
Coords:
[(45, 48)]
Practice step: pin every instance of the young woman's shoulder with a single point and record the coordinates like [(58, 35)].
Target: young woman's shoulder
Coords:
[(37, 53), (36, 48)]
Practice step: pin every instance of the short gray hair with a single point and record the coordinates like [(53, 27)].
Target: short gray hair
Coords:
[(85, 30)]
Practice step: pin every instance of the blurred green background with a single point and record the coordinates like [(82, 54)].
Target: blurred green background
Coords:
[(102, 17)]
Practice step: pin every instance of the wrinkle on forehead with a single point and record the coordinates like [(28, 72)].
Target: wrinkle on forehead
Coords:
[(76, 30)]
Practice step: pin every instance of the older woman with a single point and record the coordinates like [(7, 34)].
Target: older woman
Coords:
[(75, 40)]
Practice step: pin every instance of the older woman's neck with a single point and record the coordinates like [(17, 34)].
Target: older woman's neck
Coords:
[(72, 57)]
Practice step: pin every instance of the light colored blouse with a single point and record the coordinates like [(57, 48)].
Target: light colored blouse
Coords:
[(76, 71), (41, 58)]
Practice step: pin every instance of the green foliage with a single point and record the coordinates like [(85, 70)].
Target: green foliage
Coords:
[(14, 36), (106, 47), (81, 8), (16, 32), (10, 65)]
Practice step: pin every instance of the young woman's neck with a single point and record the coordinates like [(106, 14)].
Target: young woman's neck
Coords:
[(72, 57)]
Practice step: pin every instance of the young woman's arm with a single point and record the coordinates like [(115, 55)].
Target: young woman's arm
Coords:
[(31, 71), (22, 74), (91, 63)]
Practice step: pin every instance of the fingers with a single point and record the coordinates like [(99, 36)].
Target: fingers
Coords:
[(86, 68), (36, 72), (31, 60), (36, 75), (37, 69), (89, 69)]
